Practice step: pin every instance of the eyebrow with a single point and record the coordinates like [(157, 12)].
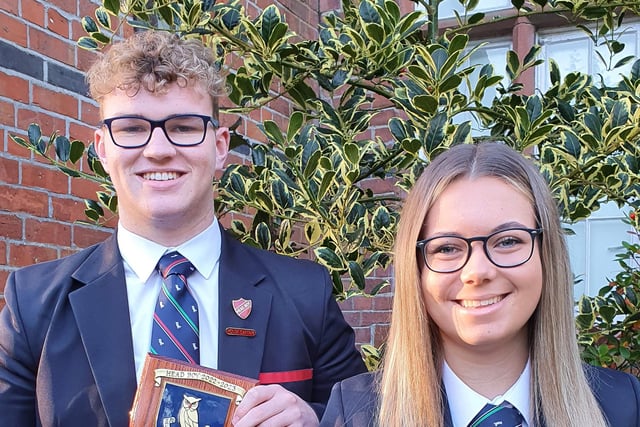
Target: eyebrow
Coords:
[(503, 226)]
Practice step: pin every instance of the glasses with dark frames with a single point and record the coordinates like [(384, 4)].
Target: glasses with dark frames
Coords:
[(505, 248), (183, 130)]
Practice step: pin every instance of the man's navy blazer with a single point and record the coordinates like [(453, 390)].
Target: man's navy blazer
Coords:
[(66, 353), (354, 402)]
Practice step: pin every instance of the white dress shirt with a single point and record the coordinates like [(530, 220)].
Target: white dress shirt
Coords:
[(465, 403), (143, 281)]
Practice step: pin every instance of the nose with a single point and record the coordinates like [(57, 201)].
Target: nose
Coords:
[(159, 145), (478, 268)]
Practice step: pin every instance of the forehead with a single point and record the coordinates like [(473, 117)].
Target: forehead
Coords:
[(478, 205), (173, 99)]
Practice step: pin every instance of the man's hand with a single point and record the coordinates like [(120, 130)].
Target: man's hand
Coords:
[(273, 406)]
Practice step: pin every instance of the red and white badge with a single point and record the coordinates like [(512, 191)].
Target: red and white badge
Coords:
[(242, 307)]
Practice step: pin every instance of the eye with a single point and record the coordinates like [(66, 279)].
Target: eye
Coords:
[(446, 247)]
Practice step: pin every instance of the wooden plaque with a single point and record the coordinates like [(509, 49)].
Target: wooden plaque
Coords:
[(177, 394)]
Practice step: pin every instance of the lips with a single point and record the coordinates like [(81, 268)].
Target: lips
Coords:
[(160, 176), (480, 303)]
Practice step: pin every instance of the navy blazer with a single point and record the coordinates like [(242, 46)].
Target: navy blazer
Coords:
[(66, 353), (354, 402)]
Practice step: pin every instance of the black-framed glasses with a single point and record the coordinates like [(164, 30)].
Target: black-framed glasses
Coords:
[(505, 248), (184, 130)]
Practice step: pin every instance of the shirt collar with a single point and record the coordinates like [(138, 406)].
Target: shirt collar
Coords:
[(465, 403), (142, 255)]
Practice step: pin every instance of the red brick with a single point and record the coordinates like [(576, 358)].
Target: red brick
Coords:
[(383, 302), (55, 101), (9, 6), (55, 233), (10, 228), (16, 149), (69, 210), (363, 335), (4, 275), (47, 123), (46, 178), (362, 303), (380, 334), (84, 57), (49, 45), (375, 317), (33, 11), (85, 236), (89, 114), (23, 255), (70, 6), (81, 132), (9, 171), (7, 116), (353, 318), (57, 23), (13, 30), (84, 188), (24, 200), (15, 88)]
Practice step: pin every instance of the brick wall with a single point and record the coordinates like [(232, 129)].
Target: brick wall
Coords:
[(42, 81)]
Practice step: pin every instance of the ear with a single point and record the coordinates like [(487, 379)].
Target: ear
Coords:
[(99, 143), (222, 146)]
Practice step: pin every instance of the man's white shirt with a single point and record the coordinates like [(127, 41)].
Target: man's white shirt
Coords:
[(143, 281)]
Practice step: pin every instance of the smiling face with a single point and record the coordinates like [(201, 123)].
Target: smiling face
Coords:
[(164, 192), (481, 307)]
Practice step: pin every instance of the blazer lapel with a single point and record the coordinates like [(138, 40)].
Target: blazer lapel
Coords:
[(241, 341), (101, 311)]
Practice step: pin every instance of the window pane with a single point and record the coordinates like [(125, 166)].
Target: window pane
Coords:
[(447, 7)]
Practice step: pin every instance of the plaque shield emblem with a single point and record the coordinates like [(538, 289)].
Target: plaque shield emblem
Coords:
[(242, 307)]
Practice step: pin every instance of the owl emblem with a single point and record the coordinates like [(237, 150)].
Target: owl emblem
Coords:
[(188, 414)]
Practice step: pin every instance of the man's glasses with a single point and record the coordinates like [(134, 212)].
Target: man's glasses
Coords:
[(183, 130), (505, 248)]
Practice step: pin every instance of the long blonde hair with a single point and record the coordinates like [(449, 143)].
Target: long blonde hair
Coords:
[(411, 383)]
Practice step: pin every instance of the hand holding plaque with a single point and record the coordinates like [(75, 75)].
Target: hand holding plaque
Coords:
[(177, 394)]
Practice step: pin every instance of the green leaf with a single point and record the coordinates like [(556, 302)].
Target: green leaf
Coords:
[(368, 13), (89, 25), (87, 43), (112, 6), (77, 150), (329, 259), (295, 123), (352, 153), (375, 32), (63, 148), (327, 180), (435, 132), (357, 275), (619, 114), (270, 18), (476, 18), (35, 134), (281, 194), (272, 131), (103, 17), (263, 236), (513, 64)]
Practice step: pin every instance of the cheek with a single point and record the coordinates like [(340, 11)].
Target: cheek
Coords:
[(434, 286)]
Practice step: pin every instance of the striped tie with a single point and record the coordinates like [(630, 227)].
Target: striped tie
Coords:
[(503, 415), (175, 331)]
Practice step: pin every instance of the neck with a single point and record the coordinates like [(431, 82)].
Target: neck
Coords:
[(489, 372), (167, 232)]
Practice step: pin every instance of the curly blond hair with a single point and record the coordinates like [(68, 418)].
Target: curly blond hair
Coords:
[(153, 60)]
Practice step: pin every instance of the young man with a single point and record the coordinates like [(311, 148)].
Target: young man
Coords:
[(75, 332)]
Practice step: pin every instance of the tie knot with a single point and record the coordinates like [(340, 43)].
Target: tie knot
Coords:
[(174, 263), (504, 415)]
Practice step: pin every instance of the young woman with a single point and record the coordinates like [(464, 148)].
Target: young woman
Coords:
[(483, 310)]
